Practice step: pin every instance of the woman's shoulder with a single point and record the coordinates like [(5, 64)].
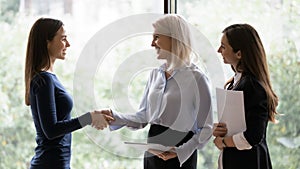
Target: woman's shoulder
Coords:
[(249, 81), (197, 72), (43, 76), (42, 79)]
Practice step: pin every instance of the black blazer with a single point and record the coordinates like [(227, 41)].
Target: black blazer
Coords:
[(256, 115)]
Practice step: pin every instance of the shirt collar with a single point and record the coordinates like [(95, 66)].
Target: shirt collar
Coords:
[(236, 78), (163, 67)]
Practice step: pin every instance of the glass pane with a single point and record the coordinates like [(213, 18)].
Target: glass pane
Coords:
[(83, 19), (277, 23)]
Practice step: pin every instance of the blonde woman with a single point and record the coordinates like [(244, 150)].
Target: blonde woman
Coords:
[(176, 101)]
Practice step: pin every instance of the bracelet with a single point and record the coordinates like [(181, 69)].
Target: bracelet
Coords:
[(223, 141)]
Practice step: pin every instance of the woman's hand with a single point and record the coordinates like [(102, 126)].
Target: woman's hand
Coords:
[(101, 119), (220, 130), (218, 141), (165, 155), (109, 117)]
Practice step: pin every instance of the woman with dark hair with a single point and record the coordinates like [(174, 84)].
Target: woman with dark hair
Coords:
[(242, 48), (50, 103)]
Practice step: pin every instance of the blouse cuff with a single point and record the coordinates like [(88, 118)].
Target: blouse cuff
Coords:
[(117, 123), (240, 142), (184, 152), (85, 119), (127, 120)]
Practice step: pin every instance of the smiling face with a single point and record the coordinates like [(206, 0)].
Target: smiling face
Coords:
[(163, 45), (58, 45), (229, 56)]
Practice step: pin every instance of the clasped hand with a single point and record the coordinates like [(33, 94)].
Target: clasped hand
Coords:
[(101, 118), (220, 130), (165, 155)]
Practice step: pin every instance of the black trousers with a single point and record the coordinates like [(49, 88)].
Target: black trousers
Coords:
[(168, 137)]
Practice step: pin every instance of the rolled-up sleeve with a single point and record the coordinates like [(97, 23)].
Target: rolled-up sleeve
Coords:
[(136, 120), (204, 122), (128, 120), (240, 142)]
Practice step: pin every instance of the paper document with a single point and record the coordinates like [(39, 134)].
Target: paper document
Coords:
[(146, 146), (230, 107)]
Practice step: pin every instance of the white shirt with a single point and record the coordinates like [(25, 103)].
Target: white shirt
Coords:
[(182, 103)]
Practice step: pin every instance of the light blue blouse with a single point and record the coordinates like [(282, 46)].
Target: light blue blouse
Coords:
[(182, 102)]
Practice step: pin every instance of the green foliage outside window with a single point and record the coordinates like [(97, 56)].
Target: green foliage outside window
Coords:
[(17, 132)]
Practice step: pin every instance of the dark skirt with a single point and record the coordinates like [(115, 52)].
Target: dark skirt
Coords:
[(163, 135)]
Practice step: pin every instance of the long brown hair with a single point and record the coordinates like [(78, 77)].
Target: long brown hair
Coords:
[(244, 38), (37, 57)]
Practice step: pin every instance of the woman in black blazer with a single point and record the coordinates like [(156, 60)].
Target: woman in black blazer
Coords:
[(242, 48)]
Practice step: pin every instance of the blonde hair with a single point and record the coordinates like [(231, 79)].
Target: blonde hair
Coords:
[(178, 29)]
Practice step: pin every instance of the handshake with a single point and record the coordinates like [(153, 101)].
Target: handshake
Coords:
[(101, 118)]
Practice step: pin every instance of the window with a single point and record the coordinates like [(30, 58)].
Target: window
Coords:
[(82, 19), (276, 22)]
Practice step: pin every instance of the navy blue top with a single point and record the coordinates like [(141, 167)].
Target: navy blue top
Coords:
[(51, 107)]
